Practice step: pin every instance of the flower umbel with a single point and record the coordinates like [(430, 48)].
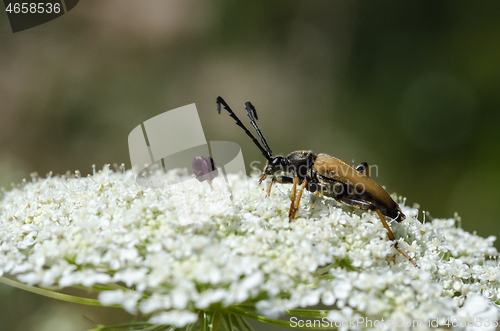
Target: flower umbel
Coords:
[(106, 233)]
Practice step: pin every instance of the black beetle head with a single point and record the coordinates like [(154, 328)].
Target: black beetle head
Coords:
[(275, 164)]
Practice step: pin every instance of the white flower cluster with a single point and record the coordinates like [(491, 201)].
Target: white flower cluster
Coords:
[(105, 229)]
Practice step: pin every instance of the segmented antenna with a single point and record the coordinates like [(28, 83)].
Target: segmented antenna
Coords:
[(250, 108), (220, 102)]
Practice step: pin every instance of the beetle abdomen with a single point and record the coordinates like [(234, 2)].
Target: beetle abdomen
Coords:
[(333, 168)]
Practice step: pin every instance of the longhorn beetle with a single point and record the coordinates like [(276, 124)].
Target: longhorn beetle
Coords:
[(323, 174)]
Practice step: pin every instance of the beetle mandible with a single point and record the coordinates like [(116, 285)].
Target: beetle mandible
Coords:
[(322, 174)]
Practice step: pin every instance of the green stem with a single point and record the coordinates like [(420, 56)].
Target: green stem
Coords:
[(52, 294), (227, 320), (237, 321), (307, 313), (270, 320), (97, 288), (315, 313), (135, 325), (245, 324), (210, 320), (215, 321), (202, 319)]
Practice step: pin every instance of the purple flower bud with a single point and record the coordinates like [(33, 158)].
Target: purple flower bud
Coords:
[(204, 168)]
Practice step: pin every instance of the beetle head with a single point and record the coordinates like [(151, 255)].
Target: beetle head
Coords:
[(274, 165)]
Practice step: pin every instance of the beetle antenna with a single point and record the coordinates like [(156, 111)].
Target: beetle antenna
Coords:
[(220, 102), (250, 108)]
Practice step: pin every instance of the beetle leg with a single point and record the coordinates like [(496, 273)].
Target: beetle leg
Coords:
[(363, 167), (280, 179), (270, 186), (291, 215), (284, 179), (370, 206), (317, 196), (394, 239), (294, 190)]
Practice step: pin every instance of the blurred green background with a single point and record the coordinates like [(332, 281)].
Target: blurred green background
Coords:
[(412, 87)]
